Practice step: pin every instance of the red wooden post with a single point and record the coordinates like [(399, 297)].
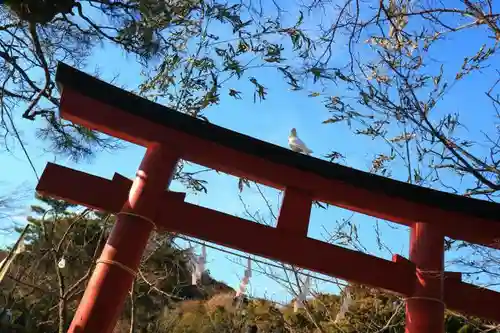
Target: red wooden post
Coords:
[(295, 212), (425, 308), (112, 278)]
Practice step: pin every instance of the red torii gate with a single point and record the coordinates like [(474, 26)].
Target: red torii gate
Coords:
[(144, 204)]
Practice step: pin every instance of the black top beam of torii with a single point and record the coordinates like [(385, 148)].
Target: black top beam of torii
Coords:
[(92, 87)]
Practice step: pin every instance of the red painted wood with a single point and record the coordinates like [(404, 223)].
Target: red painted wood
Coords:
[(472, 300), (295, 212), (425, 307), (95, 192), (288, 242), (112, 121), (457, 276), (258, 239), (458, 296), (109, 285), (308, 253)]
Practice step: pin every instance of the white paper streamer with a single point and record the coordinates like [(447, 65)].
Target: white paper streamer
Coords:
[(299, 302), (347, 301), (246, 279), (198, 265)]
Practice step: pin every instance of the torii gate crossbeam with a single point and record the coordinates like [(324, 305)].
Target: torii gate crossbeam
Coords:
[(170, 136)]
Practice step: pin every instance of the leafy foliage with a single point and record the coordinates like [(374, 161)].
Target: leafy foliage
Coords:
[(188, 49), (44, 296)]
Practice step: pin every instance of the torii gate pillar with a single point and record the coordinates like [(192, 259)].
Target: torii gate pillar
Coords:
[(425, 308), (431, 214), (115, 272)]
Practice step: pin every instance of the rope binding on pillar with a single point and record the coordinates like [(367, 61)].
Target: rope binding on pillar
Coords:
[(118, 264), (139, 216)]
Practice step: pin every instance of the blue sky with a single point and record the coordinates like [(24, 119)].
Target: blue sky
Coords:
[(271, 121)]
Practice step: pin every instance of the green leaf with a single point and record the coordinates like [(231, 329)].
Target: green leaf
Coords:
[(365, 97), (243, 46), (220, 52), (234, 66), (334, 119), (300, 20), (260, 90), (316, 72), (334, 155), (38, 209), (235, 93), (241, 25), (243, 182), (416, 176), (295, 38), (291, 79), (341, 76)]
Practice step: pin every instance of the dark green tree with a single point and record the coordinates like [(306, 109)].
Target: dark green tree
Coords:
[(43, 295), (229, 39)]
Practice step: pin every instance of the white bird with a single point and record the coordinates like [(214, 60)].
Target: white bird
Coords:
[(296, 144)]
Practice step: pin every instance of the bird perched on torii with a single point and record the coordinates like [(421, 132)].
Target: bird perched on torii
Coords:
[(296, 144)]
